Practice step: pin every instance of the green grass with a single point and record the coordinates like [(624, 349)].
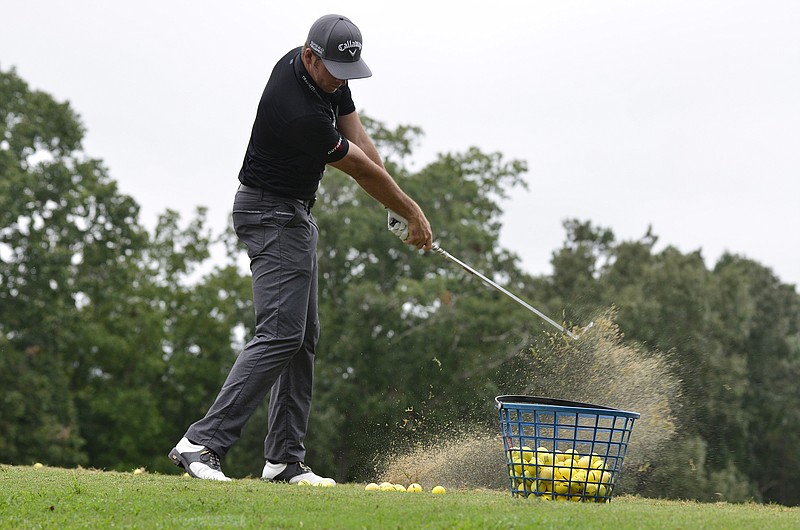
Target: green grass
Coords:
[(80, 498)]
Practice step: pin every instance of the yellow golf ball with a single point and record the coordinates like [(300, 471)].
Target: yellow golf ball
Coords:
[(517, 464), (544, 457), (527, 453), (561, 488), (597, 463), (562, 473)]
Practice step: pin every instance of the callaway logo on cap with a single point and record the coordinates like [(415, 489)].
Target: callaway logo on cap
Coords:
[(338, 42)]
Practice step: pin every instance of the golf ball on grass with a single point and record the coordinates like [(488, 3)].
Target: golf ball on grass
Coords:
[(388, 486)]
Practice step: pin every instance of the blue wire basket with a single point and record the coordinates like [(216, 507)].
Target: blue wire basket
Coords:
[(563, 450)]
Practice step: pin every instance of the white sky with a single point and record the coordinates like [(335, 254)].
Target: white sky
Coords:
[(680, 114)]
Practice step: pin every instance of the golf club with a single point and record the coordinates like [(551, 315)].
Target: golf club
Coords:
[(442, 252)]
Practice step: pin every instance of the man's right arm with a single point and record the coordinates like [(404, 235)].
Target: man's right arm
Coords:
[(377, 182)]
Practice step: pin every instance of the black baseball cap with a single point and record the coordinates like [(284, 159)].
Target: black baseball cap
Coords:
[(337, 41)]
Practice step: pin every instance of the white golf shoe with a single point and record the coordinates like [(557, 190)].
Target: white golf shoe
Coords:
[(293, 473), (198, 460)]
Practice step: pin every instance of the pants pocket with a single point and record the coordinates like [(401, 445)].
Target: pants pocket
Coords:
[(256, 228)]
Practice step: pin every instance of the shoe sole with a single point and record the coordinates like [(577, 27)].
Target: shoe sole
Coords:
[(295, 480), (178, 460)]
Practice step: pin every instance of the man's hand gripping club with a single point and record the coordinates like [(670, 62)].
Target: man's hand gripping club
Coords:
[(416, 234)]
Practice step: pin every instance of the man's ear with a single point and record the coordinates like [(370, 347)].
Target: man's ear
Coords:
[(307, 56)]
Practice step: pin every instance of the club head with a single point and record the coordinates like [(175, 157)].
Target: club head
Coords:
[(583, 330)]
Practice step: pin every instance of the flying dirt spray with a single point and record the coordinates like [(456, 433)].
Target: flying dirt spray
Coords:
[(598, 368), (593, 366)]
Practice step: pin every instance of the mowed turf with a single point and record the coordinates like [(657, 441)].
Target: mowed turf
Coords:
[(80, 498)]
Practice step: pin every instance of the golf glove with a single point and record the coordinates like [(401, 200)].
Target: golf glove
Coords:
[(397, 225)]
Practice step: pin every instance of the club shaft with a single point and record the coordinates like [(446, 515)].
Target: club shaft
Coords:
[(442, 252)]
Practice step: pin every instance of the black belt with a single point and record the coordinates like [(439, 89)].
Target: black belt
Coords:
[(306, 203)]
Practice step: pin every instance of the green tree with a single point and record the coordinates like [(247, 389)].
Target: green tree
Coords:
[(38, 424), (66, 229), (724, 332), (112, 339), (761, 329)]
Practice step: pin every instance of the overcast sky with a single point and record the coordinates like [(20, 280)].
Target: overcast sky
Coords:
[(683, 115)]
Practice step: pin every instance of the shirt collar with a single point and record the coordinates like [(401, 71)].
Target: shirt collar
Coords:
[(305, 78)]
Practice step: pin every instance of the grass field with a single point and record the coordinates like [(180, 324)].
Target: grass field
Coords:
[(80, 498)]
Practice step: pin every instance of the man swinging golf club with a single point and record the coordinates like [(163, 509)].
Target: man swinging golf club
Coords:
[(306, 119)]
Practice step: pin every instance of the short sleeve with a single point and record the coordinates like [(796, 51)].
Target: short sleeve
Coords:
[(346, 105), (317, 137)]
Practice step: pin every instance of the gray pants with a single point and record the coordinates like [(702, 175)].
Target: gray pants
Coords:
[(281, 239)]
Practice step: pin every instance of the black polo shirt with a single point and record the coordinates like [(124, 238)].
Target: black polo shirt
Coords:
[(294, 134)]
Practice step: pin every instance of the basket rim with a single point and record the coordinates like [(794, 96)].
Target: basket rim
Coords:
[(545, 403)]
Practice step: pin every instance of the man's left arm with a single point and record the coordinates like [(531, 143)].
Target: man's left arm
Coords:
[(351, 127)]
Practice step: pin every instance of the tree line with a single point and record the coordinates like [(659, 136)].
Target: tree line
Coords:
[(111, 341)]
